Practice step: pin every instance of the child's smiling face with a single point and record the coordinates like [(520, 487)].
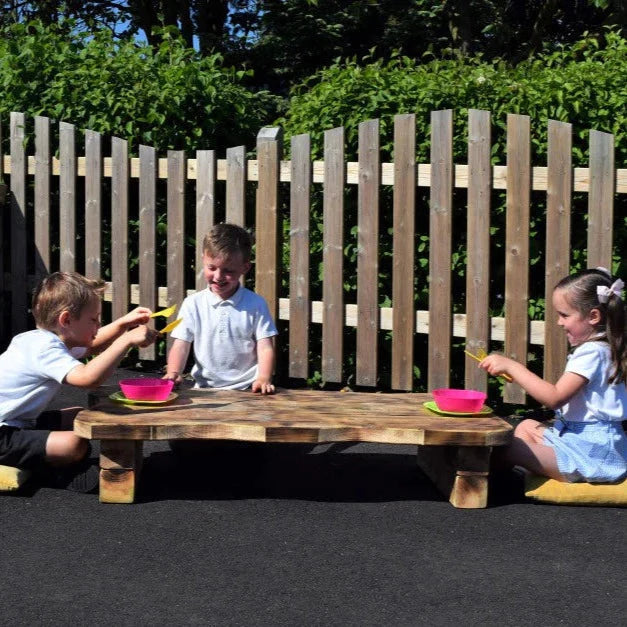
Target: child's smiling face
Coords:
[(223, 273), (579, 328)]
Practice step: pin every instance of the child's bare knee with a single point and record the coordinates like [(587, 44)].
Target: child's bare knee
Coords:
[(65, 448)]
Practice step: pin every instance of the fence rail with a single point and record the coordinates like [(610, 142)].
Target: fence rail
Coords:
[(82, 179)]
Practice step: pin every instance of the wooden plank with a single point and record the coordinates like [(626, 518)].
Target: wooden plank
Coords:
[(558, 241), (291, 416), (333, 256), (236, 185), (478, 227), (119, 228), (67, 197), (205, 207), (42, 197), (581, 176), (147, 235), (267, 224), (440, 234), (93, 205), (404, 217), (368, 253), (517, 246), (176, 229), (299, 256), (460, 473), (19, 301), (601, 200)]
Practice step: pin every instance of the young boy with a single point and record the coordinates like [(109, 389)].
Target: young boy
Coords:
[(230, 326), (66, 308)]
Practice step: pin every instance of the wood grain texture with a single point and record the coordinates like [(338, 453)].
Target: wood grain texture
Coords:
[(558, 215), (236, 185), (267, 225), (93, 205), (478, 228), (42, 197), (205, 207), (147, 235), (601, 200), (289, 416), (19, 300), (517, 246), (333, 256), (404, 216), (300, 208), (440, 245), (119, 227), (176, 229), (67, 197), (368, 253)]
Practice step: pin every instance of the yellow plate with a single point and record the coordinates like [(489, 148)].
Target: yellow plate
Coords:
[(119, 397), (164, 313), (431, 406), (169, 327)]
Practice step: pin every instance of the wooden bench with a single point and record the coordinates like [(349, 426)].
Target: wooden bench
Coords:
[(453, 452)]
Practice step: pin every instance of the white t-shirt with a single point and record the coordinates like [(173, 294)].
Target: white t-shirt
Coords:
[(225, 335), (32, 370), (598, 400)]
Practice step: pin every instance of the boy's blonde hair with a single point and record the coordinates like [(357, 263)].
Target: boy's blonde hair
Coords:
[(61, 291), (225, 240)]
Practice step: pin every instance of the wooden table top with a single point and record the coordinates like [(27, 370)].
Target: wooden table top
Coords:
[(288, 416)]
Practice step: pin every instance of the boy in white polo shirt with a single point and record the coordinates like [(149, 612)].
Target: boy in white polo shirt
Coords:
[(230, 326)]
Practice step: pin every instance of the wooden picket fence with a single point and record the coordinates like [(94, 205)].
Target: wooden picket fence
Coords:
[(30, 219)]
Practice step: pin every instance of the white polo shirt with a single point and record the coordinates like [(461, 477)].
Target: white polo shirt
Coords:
[(33, 368), (225, 335)]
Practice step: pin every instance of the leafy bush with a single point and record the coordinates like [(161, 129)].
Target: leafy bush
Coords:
[(169, 97)]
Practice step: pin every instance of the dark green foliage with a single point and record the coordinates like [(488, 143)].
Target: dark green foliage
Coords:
[(168, 97)]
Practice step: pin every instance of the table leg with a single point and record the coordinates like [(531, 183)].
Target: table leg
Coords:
[(120, 465), (459, 472)]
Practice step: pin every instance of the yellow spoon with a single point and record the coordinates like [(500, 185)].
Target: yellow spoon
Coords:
[(169, 327), (164, 313), (480, 356)]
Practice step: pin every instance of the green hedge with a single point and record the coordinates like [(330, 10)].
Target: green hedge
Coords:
[(169, 98)]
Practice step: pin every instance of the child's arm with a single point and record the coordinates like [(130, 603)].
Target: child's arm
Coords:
[(177, 358), (549, 394), (265, 366), (101, 367), (107, 334)]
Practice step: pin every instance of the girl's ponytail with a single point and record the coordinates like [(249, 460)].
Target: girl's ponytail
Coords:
[(615, 331)]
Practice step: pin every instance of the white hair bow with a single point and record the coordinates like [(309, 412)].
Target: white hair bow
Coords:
[(604, 292)]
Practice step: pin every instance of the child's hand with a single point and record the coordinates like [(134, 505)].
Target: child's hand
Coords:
[(139, 315), (173, 376), (142, 336), (263, 385), (497, 364)]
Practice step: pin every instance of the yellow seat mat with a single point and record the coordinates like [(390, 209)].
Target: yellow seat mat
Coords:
[(552, 491), (12, 478)]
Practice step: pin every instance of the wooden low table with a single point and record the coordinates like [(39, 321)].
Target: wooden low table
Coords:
[(453, 452)]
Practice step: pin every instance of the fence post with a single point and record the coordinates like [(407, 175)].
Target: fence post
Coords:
[(267, 262), (19, 278)]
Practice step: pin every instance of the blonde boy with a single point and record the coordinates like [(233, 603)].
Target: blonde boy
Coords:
[(66, 308), (229, 325)]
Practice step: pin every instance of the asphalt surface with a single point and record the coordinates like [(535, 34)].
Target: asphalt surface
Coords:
[(297, 535)]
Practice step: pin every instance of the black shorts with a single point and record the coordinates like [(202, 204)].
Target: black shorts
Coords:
[(26, 448)]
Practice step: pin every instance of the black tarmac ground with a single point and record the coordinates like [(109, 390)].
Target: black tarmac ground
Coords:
[(299, 535)]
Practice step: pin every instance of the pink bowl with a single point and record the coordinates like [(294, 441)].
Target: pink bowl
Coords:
[(467, 401), (146, 389)]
